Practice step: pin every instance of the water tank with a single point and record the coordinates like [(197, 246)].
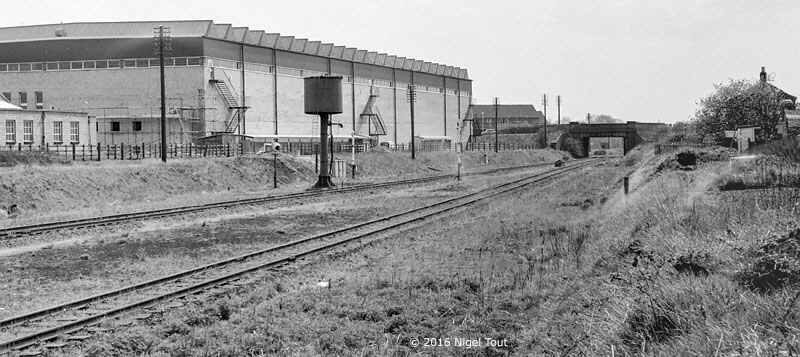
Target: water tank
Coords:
[(323, 95)]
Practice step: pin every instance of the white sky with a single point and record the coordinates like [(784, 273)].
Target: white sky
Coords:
[(632, 59)]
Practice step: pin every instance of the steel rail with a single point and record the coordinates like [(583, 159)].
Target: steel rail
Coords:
[(55, 332), (9, 232)]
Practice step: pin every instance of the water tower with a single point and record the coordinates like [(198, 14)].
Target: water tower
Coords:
[(323, 96)]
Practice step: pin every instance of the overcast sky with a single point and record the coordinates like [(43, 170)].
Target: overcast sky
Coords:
[(632, 59)]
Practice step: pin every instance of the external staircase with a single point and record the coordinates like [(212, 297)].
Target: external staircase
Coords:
[(229, 98)]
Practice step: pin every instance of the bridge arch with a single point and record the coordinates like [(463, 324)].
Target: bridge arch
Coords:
[(581, 133)]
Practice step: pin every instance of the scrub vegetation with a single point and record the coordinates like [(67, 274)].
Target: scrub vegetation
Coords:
[(572, 268)]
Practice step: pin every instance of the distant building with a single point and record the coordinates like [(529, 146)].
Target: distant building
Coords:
[(21, 127), (789, 115), (220, 79), (511, 118)]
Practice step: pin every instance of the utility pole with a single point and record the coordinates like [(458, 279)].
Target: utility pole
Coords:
[(588, 118), (558, 103), (496, 141), (163, 43), (411, 96), (544, 104)]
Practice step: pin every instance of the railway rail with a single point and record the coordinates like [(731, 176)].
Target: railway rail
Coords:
[(17, 231), (64, 321)]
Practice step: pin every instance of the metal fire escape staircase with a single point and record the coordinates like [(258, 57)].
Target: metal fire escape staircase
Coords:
[(229, 97), (372, 117)]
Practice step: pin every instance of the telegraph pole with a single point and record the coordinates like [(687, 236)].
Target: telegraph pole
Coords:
[(496, 141), (544, 104), (163, 43), (558, 103), (411, 96)]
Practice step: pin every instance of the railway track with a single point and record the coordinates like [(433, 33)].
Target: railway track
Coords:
[(67, 321), (13, 232)]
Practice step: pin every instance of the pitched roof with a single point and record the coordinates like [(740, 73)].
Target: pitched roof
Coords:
[(208, 29), (508, 111), (5, 104)]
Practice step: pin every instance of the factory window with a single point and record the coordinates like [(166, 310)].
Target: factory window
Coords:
[(7, 95), (101, 64), (169, 62), (13, 67), (58, 132), (38, 66), (88, 64), (39, 100), (193, 61), (180, 61), (140, 63), (129, 63), (3, 67), (113, 64), (11, 131), (51, 66), (114, 126), (271, 69), (63, 65), (74, 131), (391, 84), (27, 131), (76, 65), (25, 67), (137, 126), (23, 100)]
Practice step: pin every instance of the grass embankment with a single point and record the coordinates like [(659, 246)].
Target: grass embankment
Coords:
[(578, 268), (43, 191)]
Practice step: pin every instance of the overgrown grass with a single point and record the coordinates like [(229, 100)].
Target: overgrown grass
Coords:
[(674, 268)]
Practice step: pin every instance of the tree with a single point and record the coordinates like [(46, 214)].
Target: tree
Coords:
[(605, 119), (739, 103)]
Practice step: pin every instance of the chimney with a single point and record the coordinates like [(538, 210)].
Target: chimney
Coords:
[(763, 75)]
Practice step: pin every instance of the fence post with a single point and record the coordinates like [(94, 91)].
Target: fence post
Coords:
[(73, 151), (83, 152), (98, 151), (625, 183), (19, 146)]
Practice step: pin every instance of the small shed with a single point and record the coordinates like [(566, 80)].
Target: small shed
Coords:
[(223, 139)]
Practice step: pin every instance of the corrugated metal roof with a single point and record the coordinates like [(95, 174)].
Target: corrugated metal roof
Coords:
[(508, 111), (103, 30), (207, 28)]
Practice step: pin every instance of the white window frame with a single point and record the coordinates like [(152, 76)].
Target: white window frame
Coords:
[(11, 131), (58, 131), (74, 131), (27, 131)]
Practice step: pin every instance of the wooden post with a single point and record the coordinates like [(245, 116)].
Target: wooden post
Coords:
[(625, 183)]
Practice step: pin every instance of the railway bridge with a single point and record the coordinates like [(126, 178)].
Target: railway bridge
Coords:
[(581, 133)]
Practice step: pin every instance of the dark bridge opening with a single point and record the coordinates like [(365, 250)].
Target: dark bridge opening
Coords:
[(582, 134), (606, 146)]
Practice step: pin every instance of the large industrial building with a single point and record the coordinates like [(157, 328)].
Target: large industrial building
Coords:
[(221, 79)]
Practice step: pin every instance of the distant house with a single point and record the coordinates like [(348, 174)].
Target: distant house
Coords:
[(790, 117), (511, 118)]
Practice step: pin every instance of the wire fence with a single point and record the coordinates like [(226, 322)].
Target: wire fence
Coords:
[(99, 152)]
